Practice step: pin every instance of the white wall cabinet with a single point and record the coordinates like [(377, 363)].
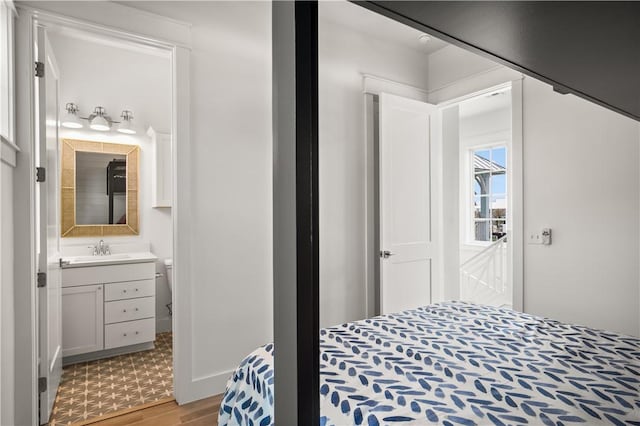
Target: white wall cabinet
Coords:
[(106, 308), (162, 178), (82, 319)]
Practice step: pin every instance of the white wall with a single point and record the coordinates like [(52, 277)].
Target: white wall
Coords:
[(231, 174), (99, 72), (581, 178), (231, 193), (344, 56)]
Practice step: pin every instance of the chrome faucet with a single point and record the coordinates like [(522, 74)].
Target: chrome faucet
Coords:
[(100, 249)]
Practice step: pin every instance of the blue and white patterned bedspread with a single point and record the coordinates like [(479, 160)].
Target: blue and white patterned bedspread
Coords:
[(456, 364)]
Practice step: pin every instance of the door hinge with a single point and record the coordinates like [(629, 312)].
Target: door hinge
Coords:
[(41, 174), (42, 279), (42, 384), (40, 69)]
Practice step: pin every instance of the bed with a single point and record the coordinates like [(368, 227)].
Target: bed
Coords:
[(456, 363)]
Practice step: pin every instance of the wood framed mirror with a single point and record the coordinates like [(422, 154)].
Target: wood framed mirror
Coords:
[(99, 189)]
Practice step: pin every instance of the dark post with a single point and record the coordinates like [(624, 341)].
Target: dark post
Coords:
[(295, 210)]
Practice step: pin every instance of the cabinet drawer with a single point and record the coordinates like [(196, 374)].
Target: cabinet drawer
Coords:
[(108, 274), (129, 290), (129, 333), (129, 309)]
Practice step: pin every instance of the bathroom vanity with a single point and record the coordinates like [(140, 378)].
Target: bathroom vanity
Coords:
[(108, 305)]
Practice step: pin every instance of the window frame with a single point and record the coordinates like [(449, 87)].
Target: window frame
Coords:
[(469, 178), (7, 73)]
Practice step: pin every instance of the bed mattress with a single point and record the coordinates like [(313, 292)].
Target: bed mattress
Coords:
[(456, 364)]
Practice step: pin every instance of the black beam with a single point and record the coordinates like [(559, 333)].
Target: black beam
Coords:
[(587, 48), (306, 15), (296, 255)]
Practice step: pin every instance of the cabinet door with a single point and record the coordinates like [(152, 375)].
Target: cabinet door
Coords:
[(82, 319)]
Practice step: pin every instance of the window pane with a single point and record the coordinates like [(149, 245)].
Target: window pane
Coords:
[(482, 161), (498, 184), (498, 229), (482, 180), (498, 207), (476, 188), (484, 153), (5, 98), (499, 156), (483, 231), (482, 208)]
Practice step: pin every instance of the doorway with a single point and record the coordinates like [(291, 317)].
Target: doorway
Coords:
[(105, 342), (483, 183), (475, 174)]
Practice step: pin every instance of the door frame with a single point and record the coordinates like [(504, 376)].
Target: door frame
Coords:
[(137, 27), (516, 197), (372, 86)]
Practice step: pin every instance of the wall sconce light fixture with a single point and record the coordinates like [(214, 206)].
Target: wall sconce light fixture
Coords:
[(71, 119), (125, 125), (98, 120)]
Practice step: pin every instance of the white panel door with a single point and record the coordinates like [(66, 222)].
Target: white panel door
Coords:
[(50, 296), (406, 236)]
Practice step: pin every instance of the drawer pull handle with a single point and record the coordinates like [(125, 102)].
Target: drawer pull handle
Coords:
[(136, 309), (136, 289), (124, 291), (137, 332), (124, 310), (125, 334)]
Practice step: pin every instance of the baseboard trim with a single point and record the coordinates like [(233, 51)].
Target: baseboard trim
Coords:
[(75, 359), (163, 324), (206, 386)]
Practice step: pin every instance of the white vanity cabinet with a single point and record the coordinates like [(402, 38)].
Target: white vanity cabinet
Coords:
[(109, 308), (82, 319)]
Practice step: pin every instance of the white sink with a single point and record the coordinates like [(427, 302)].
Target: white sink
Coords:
[(98, 259), (109, 259)]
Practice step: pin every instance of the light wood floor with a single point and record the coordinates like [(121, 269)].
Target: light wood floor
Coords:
[(199, 413)]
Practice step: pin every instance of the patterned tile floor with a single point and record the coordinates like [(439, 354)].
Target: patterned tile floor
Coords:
[(97, 388)]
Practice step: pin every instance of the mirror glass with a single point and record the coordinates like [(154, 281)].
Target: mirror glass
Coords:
[(101, 188)]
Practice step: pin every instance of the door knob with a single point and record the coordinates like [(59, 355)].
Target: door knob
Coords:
[(385, 254)]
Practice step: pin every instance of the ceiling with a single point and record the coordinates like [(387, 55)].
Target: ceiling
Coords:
[(485, 103), (376, 26), (586, 48)]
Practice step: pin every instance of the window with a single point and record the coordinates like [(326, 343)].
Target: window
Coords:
[(489, 187), (6, 70)]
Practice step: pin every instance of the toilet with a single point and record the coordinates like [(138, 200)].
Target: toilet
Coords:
[(168, 263)]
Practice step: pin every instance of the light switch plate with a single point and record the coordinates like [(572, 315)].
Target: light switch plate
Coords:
[(542, 237), (534, 238)]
